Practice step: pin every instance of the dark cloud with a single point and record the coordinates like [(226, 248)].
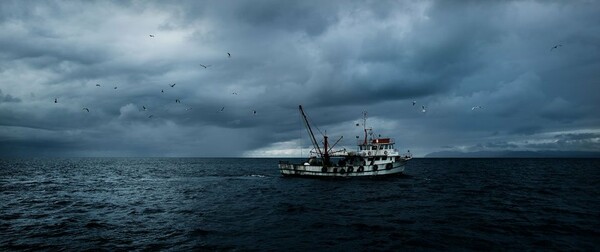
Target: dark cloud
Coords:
[(8, 98), (526, 130), (287, 16), (337, 58)]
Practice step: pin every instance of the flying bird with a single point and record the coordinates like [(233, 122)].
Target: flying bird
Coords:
[(555, 47), (150, 116), (190, 108), (229, 55), (162, 90), (172, 85), (86, 109), (234, 93), (55, 100), (152, 36), (254, 112), (414, 102), (115, 87), (476, 107), (205, 66), (144, 107), (423, 109), (97, 85), (177, 101), (223, 108)]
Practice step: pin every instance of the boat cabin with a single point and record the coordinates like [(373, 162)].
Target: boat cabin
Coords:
[(386, 145)]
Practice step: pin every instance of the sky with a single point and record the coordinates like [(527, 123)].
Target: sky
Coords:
[(335, 58)]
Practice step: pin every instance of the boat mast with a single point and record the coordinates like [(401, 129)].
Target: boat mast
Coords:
[(365, 126), (310, 132), (326, 155)]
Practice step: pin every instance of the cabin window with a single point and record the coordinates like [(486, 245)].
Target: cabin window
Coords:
[(384, 158), (381, 147), (374, 148)]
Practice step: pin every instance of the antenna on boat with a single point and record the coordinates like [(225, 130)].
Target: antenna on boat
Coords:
[(365, 126)]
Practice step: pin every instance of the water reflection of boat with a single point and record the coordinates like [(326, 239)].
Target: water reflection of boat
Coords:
[(374, 157)]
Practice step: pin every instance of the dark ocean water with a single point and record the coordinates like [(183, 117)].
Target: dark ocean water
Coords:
[(244, 204)]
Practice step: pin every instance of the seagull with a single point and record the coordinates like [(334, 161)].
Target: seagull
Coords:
[(172, 85), (555, 47), (152, 36), (414, 102), (229, 55), (190, 108), (86, 109), (144, 107), (150, 116), (162, 90), (55, 100), (115, 87), (205, 66), (97, 85), (423, 109), (223, 108), (234, 93), (254, 112), (177, 101), (476, 107)]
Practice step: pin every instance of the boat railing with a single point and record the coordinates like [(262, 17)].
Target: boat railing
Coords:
[(370, 142)]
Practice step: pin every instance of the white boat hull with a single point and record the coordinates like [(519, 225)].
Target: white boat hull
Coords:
[(394, 168), (374, 157)]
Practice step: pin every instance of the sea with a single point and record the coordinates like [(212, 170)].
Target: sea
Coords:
[(244, 204)]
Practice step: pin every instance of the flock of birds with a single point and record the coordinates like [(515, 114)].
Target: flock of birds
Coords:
[(144, 108), (423, 107)]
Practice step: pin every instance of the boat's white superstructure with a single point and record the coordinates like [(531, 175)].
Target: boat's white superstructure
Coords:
[(374, 157)]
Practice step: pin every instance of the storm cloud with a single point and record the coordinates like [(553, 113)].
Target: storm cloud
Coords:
[(336, 58)]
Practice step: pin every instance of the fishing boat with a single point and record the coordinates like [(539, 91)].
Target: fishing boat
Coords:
[(375, 156)]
